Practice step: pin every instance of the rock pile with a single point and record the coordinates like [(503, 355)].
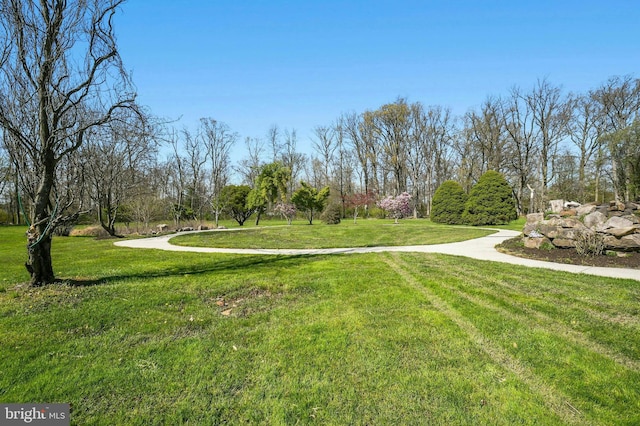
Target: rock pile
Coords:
[(617, 223)]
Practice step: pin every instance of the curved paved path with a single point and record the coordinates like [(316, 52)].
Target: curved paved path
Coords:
[(479, 248)]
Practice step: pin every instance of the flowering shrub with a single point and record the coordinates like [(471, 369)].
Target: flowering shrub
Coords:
[(288, 211), (397, 207)]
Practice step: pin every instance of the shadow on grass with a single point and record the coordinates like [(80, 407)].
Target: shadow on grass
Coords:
[(237, 263)]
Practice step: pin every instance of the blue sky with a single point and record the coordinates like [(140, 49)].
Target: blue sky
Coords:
[(299, 64)]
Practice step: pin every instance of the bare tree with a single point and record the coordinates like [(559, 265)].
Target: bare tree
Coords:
[(584, 132), (437, 146), (114, 158), (416, 160), (9, 187), (194, 160), (273, 140), (291, 159), (325, 145), (343, 165), (62, 76), (249, 166), (486, 133), (550, 112), (177, 178), (353, 126), (390, 126), (619, 102), (218, 140), (521, 148)]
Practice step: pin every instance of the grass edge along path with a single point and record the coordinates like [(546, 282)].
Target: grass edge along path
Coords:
[(366, 233)]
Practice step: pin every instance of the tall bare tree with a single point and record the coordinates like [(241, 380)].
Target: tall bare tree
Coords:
[(325, 145), (551, 112), (273, 140), (177, 177), (584, 133), (114, 158), (249, 166), (195, 159), (619, 102), (437, 147), (218, 140), (62, 76), (521, 148), (416, 160), (356, 140), (390, 128), (486, 132), (291, 159)]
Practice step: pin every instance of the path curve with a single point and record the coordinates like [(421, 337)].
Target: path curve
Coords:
[(480, 248)]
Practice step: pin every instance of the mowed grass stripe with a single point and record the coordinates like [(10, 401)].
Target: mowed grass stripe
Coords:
[(600, 388), (622, 295), (503, 304), (555, 401), (616, 328)]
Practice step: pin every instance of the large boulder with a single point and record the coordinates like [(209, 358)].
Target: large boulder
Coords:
[(564, 242), (536, 242), (585, 209), (616, 222), (626, 243), (535, 217), (595, 219), (621, 232), (556, 206)]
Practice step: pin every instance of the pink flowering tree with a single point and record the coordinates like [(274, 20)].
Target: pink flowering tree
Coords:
[(397, 207), (287, 210), (360, 200)]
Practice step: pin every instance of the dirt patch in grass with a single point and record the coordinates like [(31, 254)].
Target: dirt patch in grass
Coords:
[(515, 247), (255, 300)]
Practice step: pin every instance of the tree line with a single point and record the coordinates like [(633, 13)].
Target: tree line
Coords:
[(547, 143)]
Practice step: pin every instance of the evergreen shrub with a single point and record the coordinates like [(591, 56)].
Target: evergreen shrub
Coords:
[(332, 214), (448, 203), (490, 201)]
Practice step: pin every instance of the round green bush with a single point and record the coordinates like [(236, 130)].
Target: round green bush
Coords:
[(448, 203), (490, 201)]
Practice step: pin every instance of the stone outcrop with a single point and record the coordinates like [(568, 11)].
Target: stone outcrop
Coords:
[(617, 223)]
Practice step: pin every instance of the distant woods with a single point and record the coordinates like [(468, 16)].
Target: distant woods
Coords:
[(547, 143)]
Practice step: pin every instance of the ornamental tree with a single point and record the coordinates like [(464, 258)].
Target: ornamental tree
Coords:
[(287, 210), (270, 185), (358, 200), (310, 199), (234, 200), (397, 207)]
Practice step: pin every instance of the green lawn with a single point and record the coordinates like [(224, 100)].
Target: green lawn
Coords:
[(364, 233), (140, 337)]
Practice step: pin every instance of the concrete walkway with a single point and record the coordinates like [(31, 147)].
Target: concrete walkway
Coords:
[(479, 248)]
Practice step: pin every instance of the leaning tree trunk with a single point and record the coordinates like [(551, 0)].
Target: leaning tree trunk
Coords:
[(39, 264), (41, 229)]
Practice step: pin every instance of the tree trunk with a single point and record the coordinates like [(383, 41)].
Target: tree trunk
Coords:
[(39, 264), (39, 234)]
